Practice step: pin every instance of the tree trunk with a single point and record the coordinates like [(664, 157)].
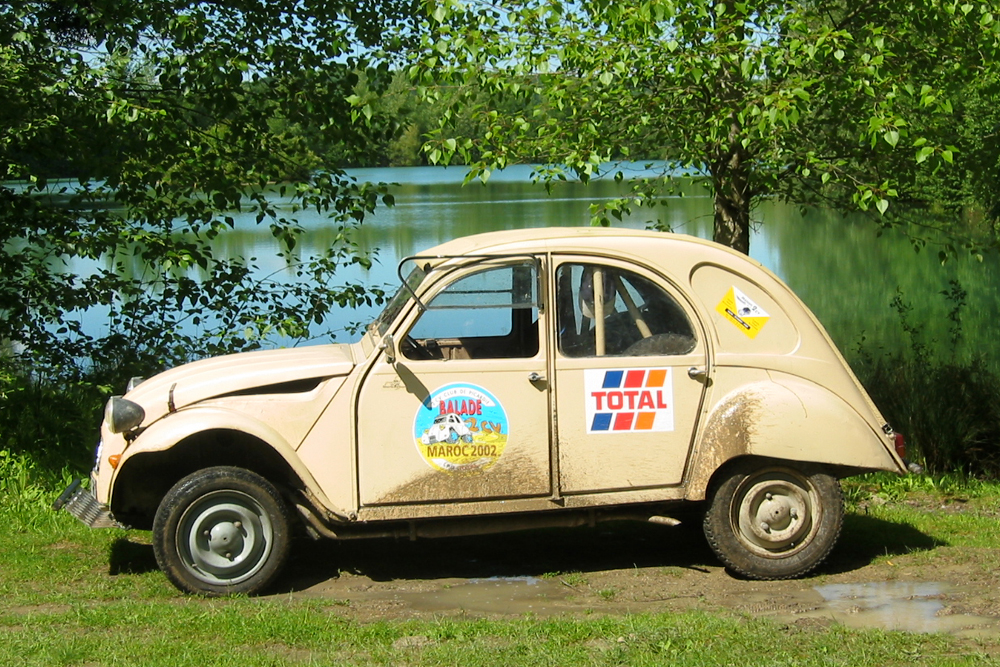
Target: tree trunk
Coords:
[(731, 167), (732, 214), (733, 197)]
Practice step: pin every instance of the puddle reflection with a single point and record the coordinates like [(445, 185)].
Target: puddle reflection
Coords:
[(893, 605), (504, 595)]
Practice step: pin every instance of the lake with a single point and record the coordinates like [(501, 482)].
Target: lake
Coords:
[(837, 264)]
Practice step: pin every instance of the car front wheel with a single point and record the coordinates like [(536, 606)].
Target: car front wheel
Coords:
[(221, 531), (773, 521)]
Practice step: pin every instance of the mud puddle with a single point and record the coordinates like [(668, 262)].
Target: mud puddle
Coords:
[(897, 605), (494, 595), (482, 596)]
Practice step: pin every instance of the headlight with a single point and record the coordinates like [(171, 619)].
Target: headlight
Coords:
[(122, 415)]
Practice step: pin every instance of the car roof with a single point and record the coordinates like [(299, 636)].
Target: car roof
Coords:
[(683, 250)]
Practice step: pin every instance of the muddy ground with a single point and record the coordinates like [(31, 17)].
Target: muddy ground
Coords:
[(881, 574)]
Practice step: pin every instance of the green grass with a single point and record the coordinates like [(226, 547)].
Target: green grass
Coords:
[(278, 633), (65, 599), (951, 485)]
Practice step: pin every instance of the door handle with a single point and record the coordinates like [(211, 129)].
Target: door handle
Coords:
[(535, 376), (696, 373)]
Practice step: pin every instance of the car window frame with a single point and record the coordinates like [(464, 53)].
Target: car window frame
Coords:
[(672, 288)]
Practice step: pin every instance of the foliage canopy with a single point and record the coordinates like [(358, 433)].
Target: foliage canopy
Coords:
[(170, 117), (813, 100)]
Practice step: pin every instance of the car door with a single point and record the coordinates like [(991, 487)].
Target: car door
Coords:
[(627, 404), (462, 413)]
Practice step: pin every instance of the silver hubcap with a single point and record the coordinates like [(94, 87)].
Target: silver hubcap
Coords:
[(224, 537), (773, 512)]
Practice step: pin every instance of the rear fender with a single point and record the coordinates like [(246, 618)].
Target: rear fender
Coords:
[(789, 419)]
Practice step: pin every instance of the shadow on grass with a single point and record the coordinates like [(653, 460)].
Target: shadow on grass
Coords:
[(518, 554), (128, 557), (865, 538), (538, 552)]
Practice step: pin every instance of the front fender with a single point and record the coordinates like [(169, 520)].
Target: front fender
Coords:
[(792, 419), (177, 427)]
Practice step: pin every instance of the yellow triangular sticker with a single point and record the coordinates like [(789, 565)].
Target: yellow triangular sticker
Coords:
[(739, 309)]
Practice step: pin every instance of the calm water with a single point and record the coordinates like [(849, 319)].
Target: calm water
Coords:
[(846, 274)]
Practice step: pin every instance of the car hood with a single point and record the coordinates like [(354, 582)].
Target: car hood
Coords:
[(219, 376)]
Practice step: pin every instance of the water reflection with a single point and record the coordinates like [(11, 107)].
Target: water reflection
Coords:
[(846, 274), (896, 605), (848, 277)]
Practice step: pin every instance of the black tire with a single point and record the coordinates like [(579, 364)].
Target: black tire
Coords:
[(767, 521), (221, 531)]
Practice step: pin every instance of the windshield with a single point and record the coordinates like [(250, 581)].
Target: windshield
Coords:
[(396, 303)]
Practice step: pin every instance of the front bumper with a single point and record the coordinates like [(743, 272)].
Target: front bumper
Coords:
[(82, 504)]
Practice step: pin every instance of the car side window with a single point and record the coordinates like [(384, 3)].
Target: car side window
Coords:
[(609, 311), (489, 314)]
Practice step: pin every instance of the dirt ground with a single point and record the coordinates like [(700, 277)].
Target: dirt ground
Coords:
[(881, 574)]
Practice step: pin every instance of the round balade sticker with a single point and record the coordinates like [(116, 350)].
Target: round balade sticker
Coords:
[(461, 429)]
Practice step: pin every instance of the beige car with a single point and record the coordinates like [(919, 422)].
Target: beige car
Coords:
[(597, 375)]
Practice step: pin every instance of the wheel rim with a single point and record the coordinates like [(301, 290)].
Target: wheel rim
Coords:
[(774, 513), (224, 537)]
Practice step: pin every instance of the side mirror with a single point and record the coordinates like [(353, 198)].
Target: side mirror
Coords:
[(389, 346)]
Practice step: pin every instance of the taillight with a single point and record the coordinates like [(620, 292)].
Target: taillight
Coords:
[(900, 445)]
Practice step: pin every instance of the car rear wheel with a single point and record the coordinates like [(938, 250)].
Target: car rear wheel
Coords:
[(773, 521), (221, 531)]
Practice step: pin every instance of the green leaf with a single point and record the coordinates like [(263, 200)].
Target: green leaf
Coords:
[(924, 153)]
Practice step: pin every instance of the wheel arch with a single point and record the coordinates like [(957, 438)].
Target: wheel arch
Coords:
[(795, 421), (145, 477)]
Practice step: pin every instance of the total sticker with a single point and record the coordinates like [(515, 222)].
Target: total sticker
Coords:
[(629, 399), (740, 309), (461, 429)]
